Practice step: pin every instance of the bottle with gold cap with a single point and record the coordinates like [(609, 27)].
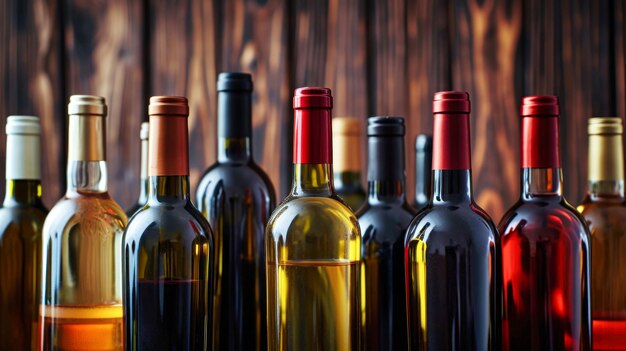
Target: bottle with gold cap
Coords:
[(604, 209), (21, 221), (143, 183), (347, 133), (168, 246), (82, 244)]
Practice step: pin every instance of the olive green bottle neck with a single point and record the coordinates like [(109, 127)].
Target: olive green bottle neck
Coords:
[(22, 192), (169, 189), (312, 180)]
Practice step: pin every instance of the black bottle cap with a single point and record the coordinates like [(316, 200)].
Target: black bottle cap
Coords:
[(234, 81), (385, 126), (385, 149)]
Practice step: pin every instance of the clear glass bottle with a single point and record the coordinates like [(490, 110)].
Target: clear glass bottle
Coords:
[(143, 181)]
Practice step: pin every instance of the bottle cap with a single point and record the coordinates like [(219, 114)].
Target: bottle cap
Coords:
[(168, 105), (605, 126), (234, 81), (168, 142), (385, 126), (23, 125), (451, 102), (87, 105), (346, 126), (540, 105), (312, 97)]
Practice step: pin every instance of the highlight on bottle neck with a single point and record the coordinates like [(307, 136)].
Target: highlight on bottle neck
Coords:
[(385, 139), (346, 144), (234, 107), (23, 159), (540, 132), (144, 137), (87, 129), (168, 153), (312, 143), (606, 155), (451, 131)]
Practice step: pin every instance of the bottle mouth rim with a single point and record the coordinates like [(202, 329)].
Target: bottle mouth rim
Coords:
[(168, 106), (313, 97), (451, 102), (540, 106)]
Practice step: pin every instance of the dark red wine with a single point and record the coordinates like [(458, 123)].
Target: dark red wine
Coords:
[(545, 247), (165, 318)]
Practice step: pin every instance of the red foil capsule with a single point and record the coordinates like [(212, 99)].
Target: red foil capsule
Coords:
[(451, 133), (540, 132), (312, 142)]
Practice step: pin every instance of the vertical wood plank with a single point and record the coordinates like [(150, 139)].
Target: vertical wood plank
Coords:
[(31, 72), (255, 40), (485, 55), (183, 61), (619, 63), (103, 48)]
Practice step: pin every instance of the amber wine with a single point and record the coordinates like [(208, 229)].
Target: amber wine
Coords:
[(317, 305)]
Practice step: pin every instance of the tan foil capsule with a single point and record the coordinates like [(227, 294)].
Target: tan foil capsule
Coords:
[(606, 157), (86, 134), (168, 155), (347, 133)]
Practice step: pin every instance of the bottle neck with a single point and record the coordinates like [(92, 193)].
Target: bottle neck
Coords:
[(169, 189), (347, 179), (423, 173), (385, 171), (86, 166), (312, 180), (86, 177), (385, 191), (234, 150), (452, 186), (606, 166), (20, 192), (144, 181), (541, 163), (541, 182)]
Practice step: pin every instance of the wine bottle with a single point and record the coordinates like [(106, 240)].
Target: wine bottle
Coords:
[(347, 161), (82, 251), (604, 209), (452, 247), (313, 244), (423, 170), (237, 198), (168, 246), (21, 222), (144, 183), (545, 247), (383, 220)]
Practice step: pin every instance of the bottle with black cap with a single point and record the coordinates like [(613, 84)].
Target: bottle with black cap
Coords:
[(423, 170), (237, 198), (383, 220)]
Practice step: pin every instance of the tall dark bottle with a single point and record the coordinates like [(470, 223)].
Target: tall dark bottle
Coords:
[(383, 220), (21, 222), (313, 245), (423, 170), (237, 198), (452, 247), (604, 209), (545, 246), (347, 133), (143, 182), (168, 246)]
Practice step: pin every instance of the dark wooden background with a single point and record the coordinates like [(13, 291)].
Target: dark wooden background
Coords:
[(380, 57)]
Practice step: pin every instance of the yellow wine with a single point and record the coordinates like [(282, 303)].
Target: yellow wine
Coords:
[(318, 305)]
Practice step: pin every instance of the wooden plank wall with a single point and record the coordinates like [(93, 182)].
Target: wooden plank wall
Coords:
[(380, 58)]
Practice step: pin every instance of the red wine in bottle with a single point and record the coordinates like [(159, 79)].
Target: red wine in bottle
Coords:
[(452, 248), (545, 246), (168, 246), (237, 198), (384, 219), (21, 221)]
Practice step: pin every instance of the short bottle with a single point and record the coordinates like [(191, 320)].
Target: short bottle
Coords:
[(604, 210), (452, 247), (313, 245), (347, 133), (82, 254), (237, 198), (384, 219), (423, 170), (545, 246), (168, 246), (21, 222), (143, 181)]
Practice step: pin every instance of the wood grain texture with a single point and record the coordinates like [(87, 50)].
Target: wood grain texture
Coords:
[(31, 74), (103, 51)]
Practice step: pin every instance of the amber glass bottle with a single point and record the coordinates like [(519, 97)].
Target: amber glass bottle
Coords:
[(21, 223), (604, 209), (347, 137)]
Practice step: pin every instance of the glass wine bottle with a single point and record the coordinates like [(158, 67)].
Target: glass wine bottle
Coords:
[(452, 247), (423, 170), (237, 198), (144, 182), (604, 209), (313, 245), (384, 219), (168, 246), (545, 247), (82, 240), (21, 222), (347, 161)]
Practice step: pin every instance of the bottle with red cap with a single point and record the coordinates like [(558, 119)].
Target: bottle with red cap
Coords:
[(545, 246), (313, 244), (452, 250)]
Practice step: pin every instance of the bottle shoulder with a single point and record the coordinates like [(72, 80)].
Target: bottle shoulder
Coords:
[(91, 213), (235, 179), (384, 223), (604, 216), (26, 220)]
